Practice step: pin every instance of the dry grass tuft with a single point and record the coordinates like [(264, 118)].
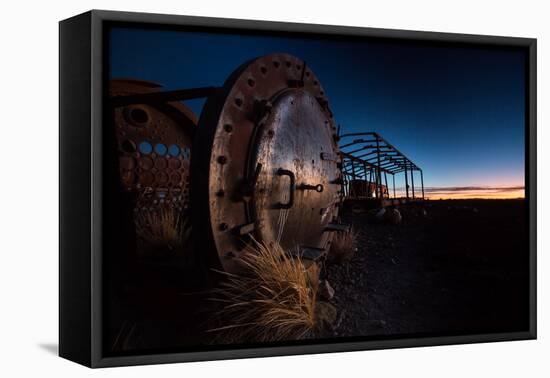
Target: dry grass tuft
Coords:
[(164, 228), (343, 247), (274, 300)]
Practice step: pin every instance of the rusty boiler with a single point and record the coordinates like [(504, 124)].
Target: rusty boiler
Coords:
[(154, 142), (266, 163)]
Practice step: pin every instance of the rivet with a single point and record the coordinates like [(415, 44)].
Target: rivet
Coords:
[(239, 102), (222, 159), (263, 70), (288, 64), (220, 193), (223, 226), (251, 82), (228, 128), (276, 64)]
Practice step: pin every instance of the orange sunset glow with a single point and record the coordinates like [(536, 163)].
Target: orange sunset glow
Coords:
[(475, 192)]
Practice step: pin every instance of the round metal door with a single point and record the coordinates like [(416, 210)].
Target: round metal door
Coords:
[(266, 162)]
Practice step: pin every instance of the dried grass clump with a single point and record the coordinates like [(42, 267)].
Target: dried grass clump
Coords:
[(273, 300), (343, 247), (164, 228)]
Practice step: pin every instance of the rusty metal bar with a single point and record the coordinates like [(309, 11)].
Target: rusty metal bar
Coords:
[(406, 182), (352, 193), (369, 177), (370, 133), (384, 154), (357, 141), (361, 149), (387, 188), (388, 164), (422, 182), (160, 97), (393, 177), (364, 155), (378, 176), (401, 169), (412, 182)]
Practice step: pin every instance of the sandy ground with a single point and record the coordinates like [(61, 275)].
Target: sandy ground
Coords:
[(462, 268)]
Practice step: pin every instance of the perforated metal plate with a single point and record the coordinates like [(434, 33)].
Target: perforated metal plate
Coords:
[(154, 144), (268, 160)]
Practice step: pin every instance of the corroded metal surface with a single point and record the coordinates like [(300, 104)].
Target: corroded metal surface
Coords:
[(268, 163), (367, 189), (154, 145)]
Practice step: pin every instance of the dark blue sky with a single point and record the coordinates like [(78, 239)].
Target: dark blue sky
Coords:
[(456, 112)]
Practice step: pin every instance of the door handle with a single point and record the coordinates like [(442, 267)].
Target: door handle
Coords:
[(290, 174)]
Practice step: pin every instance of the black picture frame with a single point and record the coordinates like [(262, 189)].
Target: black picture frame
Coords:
[(81, 104)]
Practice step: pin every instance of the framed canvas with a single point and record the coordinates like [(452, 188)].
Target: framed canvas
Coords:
[(234, 188)]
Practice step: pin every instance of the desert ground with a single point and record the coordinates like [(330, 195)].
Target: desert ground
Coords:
[(450, 267)]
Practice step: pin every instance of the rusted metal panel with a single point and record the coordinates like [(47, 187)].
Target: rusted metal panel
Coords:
[(366, 189), (154, 147)]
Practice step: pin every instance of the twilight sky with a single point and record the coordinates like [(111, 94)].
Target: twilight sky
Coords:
[(457, 112)]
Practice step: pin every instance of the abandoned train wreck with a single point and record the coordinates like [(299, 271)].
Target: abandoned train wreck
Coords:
[(367, 161)]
